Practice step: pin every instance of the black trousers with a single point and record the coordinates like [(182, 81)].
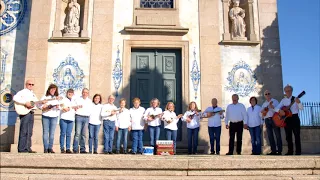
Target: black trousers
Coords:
[(233, 129), (293, 126), (25, 133)]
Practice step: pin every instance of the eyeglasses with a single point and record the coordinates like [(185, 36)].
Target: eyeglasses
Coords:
[(267, 93), (30, 84)]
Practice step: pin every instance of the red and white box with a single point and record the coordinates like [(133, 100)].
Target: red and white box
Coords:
[(164, 147)]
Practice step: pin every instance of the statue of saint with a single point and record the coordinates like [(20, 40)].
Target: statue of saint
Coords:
[(68, 78), (238, 28), (72, 27)]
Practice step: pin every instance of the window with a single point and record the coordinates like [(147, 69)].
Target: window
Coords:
[(156, 3)]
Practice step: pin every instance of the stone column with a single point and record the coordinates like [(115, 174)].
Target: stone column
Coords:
[(84, 31), (226, 34), (57, 31), (253, 36)]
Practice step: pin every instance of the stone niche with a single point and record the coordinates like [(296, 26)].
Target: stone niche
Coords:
[(250, 37), (61, 21), (156, 16)]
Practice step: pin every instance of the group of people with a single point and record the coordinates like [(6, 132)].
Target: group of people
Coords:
[(87, 114)]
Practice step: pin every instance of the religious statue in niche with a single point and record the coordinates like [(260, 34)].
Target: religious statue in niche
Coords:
[(238, 25), (72, 21)]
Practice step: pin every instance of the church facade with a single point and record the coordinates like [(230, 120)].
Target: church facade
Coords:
[(173, 50)]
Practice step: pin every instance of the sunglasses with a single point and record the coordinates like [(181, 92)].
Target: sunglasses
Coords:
[(30, 84), (267, 93)]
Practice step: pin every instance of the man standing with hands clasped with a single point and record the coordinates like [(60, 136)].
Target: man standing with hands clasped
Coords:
[(236, 114)]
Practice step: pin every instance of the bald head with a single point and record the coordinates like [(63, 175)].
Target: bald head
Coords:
[(29, 84)]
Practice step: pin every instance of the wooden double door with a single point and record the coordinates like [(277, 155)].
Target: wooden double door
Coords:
[(156, 73)]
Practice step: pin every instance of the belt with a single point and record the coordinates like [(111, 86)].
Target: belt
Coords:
[(82, 116), (237, 121)]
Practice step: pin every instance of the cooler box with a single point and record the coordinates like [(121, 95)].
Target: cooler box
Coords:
[(164, 147)]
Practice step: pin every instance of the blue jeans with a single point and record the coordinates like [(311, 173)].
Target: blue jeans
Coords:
[(255, 133), (137, 141), (48, 128), (214, 134), (172, 135), (66, 127), (270, 129), (108, 135), (193, 140), (93, 137), (154, 134), (122, 133), (25, 133), (80, 133)]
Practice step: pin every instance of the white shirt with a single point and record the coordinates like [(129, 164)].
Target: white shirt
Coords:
[(69, 115), (270, 112), (167, 115), (106, 112), (286, 102), (254, 116), (215, 120), (137, 121), (236, 113), (153, 111), (53, 112), (123, 120), (195, 121), (25, 95), (95, 116), (86, 106)]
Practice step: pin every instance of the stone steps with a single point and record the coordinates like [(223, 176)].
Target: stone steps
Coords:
[(97, 177), (89, 166)]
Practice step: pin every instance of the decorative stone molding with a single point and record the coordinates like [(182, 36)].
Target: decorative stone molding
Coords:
[(156, 20), (57, 32)]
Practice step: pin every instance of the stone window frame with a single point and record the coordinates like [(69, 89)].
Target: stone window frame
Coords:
[(226, 36), (57, 34)]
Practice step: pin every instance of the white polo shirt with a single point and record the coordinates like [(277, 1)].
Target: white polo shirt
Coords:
[(123, 120), (167, 115), (137, 121), (153, 111), (70, 115)]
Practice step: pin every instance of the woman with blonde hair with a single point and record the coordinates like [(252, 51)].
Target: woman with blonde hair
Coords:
[(137, 126), (192, 116), (152, 116), (123, 125), (170, 123)]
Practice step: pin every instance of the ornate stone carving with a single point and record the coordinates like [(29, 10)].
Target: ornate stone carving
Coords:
[(11, 14), (156, 3), (72, 21), (238, 25)]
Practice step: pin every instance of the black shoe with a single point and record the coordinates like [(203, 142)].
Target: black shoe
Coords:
[(95, 152), (194, 153), (212, 153), (23, 152), (298, 153), (272, 153), (189, 153), (50, 151), (68, 151), (105, 152), (239, 153), (45, 151), (279, 153), (63, 151), (125, 152), (83, 152), (133, 153), (228, 154), (289, 153), (218, 153), (32, 151), (110, 152), (117, 152)]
